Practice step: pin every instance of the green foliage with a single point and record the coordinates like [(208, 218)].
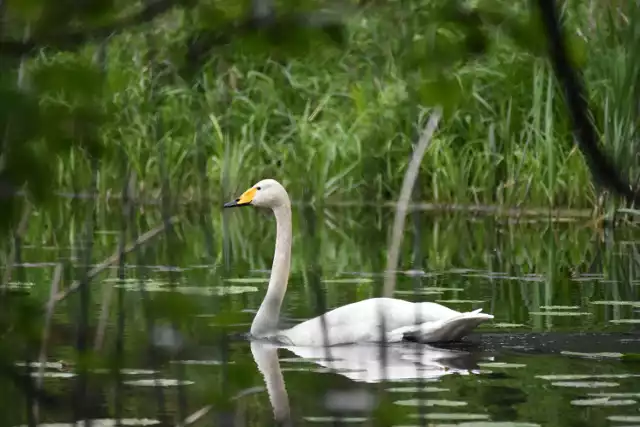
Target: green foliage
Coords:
[(275, 97)]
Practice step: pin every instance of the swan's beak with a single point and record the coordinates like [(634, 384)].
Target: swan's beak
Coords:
[(243, 200)]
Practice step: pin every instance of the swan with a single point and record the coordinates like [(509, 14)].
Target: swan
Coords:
[(358, 322)]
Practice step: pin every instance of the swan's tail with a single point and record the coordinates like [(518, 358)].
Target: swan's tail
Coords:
[(451, 329)]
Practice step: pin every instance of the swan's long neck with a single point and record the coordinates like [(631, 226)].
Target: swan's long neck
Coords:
[(266, 320)]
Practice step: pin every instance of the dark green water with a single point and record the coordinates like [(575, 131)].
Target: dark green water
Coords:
[(559, 353)]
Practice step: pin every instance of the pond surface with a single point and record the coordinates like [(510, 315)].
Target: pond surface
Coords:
[(563, 349)]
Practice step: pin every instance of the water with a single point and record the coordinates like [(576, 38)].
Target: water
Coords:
[(562, 351)]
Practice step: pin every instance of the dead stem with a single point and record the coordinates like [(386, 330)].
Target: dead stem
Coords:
[(403, 202)]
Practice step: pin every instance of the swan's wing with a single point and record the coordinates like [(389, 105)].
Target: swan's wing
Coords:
[(357, 322), (451, 329)]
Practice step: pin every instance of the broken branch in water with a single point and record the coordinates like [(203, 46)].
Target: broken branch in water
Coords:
[(116, 256)]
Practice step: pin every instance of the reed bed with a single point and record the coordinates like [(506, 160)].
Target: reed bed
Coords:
[(342, 122)]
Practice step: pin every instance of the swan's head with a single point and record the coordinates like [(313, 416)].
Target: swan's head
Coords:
[(267, 193)]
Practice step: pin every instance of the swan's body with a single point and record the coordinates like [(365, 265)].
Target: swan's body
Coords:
[(361, 321)]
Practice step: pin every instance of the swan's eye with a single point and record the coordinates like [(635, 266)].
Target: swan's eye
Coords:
[(257, 188)]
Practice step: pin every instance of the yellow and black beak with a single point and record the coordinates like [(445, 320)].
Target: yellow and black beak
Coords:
[(243, 200)]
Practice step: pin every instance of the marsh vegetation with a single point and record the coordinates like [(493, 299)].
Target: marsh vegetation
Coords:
[(125, 290)]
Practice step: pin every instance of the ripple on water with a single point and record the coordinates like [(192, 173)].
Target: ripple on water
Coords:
[(560, 307), (160, 382), (451, 416), (349, 280), (46, 365), (631, 303), (105, 422), (202, 362), (508, 325), (460, 301), (624, 418), (416, 389), (19, 285), (584, 384), (50, 374), (625, 321), (431, 402), (497, 424), (418, 292), (155, 286), (247, 280), (501, 365), (559, 313), (336, 419), (128, 371), (603, 355), (603, 401), (571, 377), (629, 394)]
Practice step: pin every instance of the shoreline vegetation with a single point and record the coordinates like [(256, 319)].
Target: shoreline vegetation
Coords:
[(340, 124)]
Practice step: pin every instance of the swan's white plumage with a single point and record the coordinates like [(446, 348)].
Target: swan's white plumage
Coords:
[(357, 322)]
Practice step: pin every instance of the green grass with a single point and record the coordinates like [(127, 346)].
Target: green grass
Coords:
[(339, 124)]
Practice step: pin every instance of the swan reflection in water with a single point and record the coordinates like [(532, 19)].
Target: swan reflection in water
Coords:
[(362, 363)]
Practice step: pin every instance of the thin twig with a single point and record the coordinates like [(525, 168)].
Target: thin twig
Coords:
[(403, 202), (116, 256)]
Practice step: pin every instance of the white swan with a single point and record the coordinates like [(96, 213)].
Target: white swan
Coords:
[(352, 323)]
